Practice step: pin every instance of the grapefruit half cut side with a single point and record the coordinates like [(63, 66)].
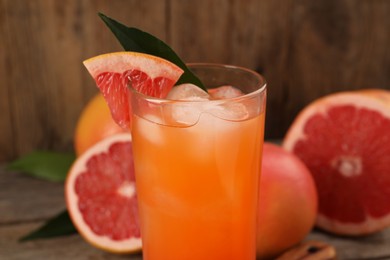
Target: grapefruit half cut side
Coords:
[(344, 139), (115, 72), (101, 198)]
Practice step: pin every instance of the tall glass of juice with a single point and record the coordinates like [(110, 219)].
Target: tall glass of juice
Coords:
[(197, 157)]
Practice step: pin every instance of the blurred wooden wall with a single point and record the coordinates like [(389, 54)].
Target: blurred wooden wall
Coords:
[(305, 49)]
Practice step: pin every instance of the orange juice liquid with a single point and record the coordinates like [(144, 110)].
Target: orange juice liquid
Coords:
[(197, 188)]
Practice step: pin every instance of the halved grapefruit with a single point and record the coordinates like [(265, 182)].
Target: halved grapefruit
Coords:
[(115, 72), (344, 139), (101, 198)]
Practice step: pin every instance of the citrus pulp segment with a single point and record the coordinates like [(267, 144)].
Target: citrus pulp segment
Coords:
[(115, 72), (344, 139), (101, 198)]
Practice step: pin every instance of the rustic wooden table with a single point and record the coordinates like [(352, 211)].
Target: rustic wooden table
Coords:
[(26, 203)]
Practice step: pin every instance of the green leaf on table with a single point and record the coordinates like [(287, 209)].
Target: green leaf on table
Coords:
[(51, 166), (59, 225), (133, 39)]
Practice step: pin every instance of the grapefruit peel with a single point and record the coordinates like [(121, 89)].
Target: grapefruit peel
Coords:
[(118, 62)]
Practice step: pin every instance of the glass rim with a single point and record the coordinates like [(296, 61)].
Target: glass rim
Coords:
[(261, 82)]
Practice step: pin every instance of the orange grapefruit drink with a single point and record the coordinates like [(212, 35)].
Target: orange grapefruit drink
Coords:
[(197, 163)]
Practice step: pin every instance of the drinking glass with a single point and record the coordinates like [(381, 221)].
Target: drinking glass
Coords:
[(197, 165)]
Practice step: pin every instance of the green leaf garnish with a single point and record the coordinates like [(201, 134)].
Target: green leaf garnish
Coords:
[(45, 165), (133, 39), (59, 225)]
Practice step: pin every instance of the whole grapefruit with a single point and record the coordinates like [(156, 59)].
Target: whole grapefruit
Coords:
[(94, 124), (344, 139), (287, 202)]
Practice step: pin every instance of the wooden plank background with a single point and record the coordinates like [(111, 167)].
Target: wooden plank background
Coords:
[(305, 49)]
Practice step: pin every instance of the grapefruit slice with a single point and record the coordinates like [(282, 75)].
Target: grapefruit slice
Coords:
[(115, 72), (344, 139), (101, 198)]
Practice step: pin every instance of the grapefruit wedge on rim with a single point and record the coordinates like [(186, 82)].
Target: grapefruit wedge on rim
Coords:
[(115, 72), (101, 198), (344, 139)]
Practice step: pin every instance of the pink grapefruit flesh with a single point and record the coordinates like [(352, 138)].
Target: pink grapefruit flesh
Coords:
[(344, 139), (101, 197), (115, 72)]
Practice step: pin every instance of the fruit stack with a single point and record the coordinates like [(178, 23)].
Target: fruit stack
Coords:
[(332, 170)]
